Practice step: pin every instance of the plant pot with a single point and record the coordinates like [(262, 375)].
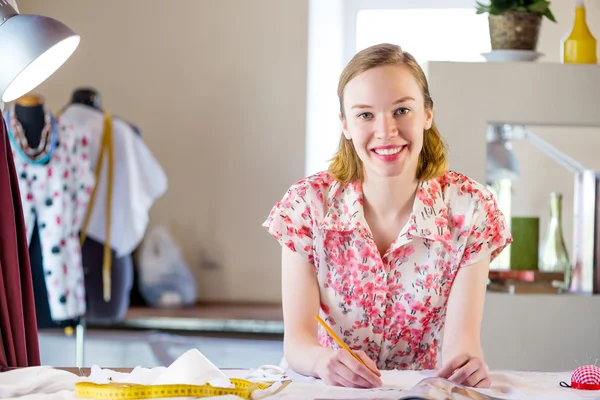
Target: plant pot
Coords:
[(514, 31)]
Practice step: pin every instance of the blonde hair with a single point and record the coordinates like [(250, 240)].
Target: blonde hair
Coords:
[(346, 166)]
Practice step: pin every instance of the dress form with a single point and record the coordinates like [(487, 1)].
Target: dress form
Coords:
[(88, 96), (92, 98), (99, 311), (30, 112)]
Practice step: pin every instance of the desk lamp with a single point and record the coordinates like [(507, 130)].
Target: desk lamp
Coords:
[(584, 277), (32, 47)]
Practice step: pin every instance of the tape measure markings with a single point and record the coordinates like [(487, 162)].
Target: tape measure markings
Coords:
[(123, 391)]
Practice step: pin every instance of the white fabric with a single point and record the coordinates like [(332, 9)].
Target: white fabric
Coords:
[(45, 383), (193, 368), (40, 383), (138, 180)]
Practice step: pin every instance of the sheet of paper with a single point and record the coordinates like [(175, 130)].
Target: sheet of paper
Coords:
[(403, 379)]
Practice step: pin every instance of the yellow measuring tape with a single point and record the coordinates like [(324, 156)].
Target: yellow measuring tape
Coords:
[(106, 146), (123, 391)]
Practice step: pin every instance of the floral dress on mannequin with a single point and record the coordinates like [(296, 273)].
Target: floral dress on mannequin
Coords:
[(55, 181)]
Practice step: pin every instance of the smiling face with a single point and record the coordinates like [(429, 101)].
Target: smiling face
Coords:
[(385, 118)]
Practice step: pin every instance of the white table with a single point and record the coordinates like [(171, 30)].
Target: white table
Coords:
[(46, 383), (505, 385)]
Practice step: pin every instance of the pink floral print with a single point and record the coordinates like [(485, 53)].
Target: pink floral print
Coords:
[(391, 307)]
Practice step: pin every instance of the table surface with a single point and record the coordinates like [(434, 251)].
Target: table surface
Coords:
[(533, 385), (86, 371), (509, 385)]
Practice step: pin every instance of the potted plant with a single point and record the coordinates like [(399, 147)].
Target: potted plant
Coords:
[(515, 24)]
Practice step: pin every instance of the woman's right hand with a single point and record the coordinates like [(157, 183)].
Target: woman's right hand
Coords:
[(340, 368)]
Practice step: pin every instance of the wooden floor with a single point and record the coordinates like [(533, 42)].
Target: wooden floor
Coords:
[(260, 312), (87, 371), (261, 319)]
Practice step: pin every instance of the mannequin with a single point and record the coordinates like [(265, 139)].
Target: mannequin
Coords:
[(99, 311), (88, 96), (29, 110), (129, 179), (91, 97)]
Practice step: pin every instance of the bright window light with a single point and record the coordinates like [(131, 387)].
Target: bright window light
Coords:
[(429, 34)]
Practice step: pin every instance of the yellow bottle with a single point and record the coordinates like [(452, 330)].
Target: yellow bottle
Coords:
[(580, 45)]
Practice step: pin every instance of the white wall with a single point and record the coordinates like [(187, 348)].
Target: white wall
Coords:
[(219, 91), (325, 63)]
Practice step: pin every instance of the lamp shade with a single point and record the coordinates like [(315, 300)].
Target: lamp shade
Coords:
[(32, 47)]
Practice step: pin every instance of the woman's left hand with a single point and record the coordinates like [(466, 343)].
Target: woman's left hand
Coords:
[(467, 371)]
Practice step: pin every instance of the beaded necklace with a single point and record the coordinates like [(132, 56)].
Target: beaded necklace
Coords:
[(48, 139)]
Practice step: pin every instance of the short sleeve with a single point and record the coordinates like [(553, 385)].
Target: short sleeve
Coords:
[(488, 233), (291, 222)]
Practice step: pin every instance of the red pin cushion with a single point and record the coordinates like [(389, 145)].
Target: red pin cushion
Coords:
[(586, 377)]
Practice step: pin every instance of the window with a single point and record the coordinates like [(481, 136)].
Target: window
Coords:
[(429, 34), (431, 30)]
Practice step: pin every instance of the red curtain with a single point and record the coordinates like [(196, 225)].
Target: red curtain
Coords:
[(18, 329)]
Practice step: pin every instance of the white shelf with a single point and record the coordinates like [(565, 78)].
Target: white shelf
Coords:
[(469, 95)]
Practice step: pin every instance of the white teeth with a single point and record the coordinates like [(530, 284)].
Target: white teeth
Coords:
[(388, 152)]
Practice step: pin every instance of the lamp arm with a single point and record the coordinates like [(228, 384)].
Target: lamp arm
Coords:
[(552, 152), (6, 11)]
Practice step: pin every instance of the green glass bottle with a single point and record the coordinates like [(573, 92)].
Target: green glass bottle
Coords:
[(553, 255)]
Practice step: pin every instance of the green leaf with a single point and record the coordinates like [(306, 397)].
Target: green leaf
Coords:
[(482, 8), (548, 14), (498, 7), (503, 5), (539, 7)]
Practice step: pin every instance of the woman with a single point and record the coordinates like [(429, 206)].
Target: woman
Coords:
[(388, 246)]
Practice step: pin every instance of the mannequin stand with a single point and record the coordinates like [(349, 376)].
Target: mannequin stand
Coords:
[(79, 343)]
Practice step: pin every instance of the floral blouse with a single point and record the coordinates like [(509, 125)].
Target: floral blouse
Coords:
[(57, 194), (392, 307)]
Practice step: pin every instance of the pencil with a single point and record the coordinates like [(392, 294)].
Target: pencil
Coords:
[(339, 341)]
